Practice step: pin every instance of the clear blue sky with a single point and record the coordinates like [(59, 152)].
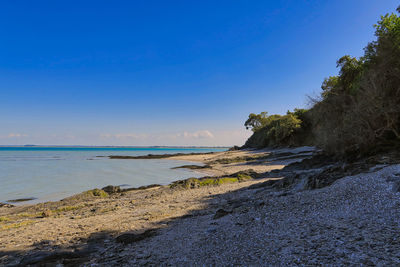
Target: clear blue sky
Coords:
[(166, 72)]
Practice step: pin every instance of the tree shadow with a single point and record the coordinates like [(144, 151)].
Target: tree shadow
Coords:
[(45, 253)]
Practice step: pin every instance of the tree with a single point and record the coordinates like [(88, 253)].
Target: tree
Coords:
[(359, 110), (278, 130), (256, 121)]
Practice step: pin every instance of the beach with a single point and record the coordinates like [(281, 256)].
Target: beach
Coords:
[(247, 218)]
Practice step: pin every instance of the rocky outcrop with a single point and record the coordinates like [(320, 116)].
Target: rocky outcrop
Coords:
[(129, 238), (111, 189), (155, 156), (221, 213), (6, 205)]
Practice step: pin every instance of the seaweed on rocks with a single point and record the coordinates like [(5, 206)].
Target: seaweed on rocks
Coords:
[(193, 167), (5, 205), (21, 199), (192, 183), (111, 189), (156, 156), (144, 187)]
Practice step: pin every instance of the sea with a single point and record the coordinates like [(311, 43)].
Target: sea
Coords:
[(53, 173)]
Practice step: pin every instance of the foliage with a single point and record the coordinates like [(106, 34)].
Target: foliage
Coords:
[(359, 110), (280, 130), (256, 121)]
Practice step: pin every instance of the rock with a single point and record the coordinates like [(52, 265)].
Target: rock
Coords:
[(35, 258), (129, 238), (5, 205), (111, 189), (211, 230), (192, 167), (221, 213), (45, 258), (21, 199), (396, 186), (260, 203), (154, 156), (46, 213), (234, 148), (140, 188)]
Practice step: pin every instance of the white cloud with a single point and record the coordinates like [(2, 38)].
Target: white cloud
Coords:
[(14, 135), (123, 136), (204, 134), (198, 135)]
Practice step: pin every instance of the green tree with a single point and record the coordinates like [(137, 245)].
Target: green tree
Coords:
[(256, 121), (278, 130)]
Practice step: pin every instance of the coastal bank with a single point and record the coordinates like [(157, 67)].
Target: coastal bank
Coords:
[(253, 207)]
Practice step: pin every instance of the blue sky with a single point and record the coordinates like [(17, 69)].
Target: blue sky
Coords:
[(166, 72)]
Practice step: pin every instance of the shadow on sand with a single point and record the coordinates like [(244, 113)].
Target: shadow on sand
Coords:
[(99, 244)]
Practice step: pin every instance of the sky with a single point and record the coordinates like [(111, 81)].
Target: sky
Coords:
[(167, 72)]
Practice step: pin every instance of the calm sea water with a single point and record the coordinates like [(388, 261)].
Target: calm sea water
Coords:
[(53, 173)]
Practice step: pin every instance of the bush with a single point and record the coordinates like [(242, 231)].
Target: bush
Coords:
[(287, 130), (359, 110)]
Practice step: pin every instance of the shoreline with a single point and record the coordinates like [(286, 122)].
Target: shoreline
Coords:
[(209, 167), (24, 201), (28, 222), (26, 198), (229, 215)]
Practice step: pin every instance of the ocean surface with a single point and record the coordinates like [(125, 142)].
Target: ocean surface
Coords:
[(53, 173)]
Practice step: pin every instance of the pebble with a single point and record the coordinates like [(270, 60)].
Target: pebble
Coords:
[(354, 221)]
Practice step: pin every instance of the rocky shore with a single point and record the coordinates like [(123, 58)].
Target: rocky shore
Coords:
[(267, 207)]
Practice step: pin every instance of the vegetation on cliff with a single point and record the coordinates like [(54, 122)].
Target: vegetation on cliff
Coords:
[(358, 111)]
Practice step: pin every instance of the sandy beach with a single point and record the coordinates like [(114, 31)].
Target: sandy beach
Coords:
[(247, 222)]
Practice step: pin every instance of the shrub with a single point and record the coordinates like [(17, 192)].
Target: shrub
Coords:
[(294, 128), (359, 110)]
